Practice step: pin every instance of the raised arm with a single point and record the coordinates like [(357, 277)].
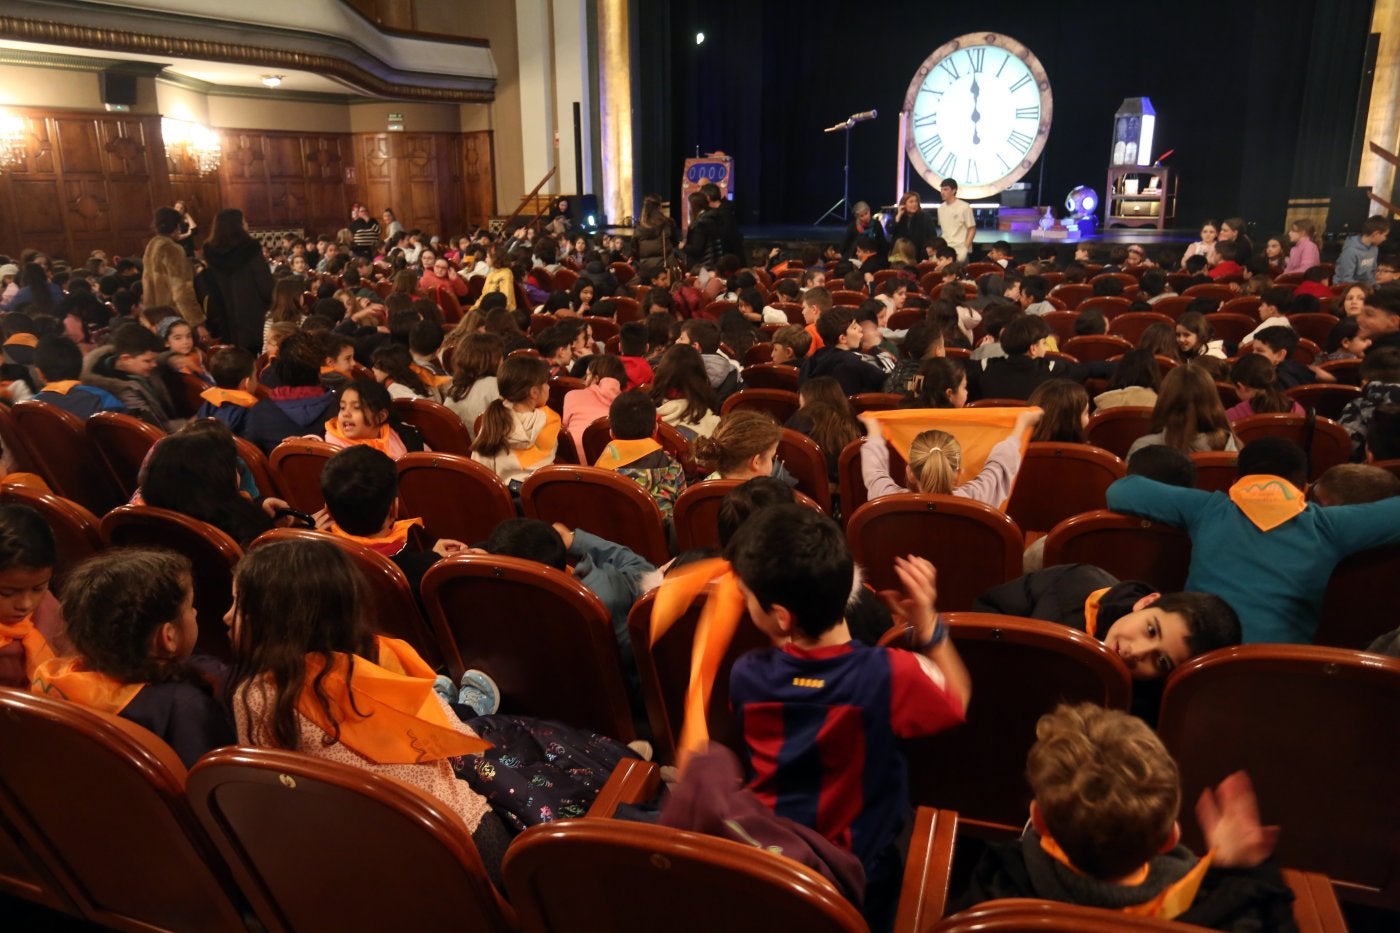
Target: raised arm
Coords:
[(1138, 495)]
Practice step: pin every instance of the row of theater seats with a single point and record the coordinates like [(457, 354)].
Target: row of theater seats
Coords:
[(284, 837)]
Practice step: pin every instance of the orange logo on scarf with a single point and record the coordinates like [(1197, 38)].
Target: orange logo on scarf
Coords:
[(719, 620), (388, 545), (36, 647), (386, 717), (217, 397), (619, 454), (1267, 501), (67, 678)]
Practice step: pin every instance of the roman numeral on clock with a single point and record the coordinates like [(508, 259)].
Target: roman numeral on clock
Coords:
[(1024, 80), (971, 173), (975, 57), (1020, 141), (951, 67), (949, 163), (926, 120), (931, 145), (1028, 113)]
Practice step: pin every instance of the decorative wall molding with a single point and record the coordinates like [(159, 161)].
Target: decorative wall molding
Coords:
[(102, 28)]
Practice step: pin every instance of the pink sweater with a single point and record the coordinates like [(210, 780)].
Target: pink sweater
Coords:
[(584, 406), (1302, 257)]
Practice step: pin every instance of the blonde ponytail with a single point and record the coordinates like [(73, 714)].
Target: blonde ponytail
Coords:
[(934, 460)]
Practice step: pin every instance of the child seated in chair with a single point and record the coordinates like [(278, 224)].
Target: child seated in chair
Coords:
[(791, 345), (131, 618), (361, 489), (59, 363), (232, 394), (821, 713), (635, 453), (1103, 832), (125, 367), (30, 625)]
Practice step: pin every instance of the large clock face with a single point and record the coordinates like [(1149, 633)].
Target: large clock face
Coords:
[(978, 111)]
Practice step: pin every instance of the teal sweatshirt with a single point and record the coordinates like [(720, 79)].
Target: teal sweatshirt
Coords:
[(1275, 580)]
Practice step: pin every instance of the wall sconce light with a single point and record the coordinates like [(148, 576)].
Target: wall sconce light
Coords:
[(199, 143), (271, 80), (12, 143)]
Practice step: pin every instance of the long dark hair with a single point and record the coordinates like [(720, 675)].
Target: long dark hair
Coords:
[(295, 598), (195, 473), (37, 281), (680, 373), (228, 230), (394, 360), (828, 412)]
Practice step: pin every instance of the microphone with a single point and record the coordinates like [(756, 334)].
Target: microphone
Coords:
[(862, 117)]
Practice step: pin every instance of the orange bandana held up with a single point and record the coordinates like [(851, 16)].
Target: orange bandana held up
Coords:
[(718, 623), (67, 678), (216, 397), (978, 430), (36, 647), (1267, 501), (1169, 903), (619, 454), (62, 387), (386, 717), (388, 545), (386, 442)]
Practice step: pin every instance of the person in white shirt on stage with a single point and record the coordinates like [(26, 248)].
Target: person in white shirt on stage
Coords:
[(955, 220)]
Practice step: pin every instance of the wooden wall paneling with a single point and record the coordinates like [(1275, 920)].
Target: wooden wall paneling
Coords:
[(452, 195), (243, 174), (324, 160), (479, 178), (375, 168)]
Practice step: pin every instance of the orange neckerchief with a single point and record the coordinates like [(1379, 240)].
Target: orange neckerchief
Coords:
[(978, 430), (23, 340), (1267, 501), (1091, 611), (67, 678), (1170, 903), (430, 378), (62, 387), (217, 397), (36, 646), (719, 620), (397, 656), (386, 717), (619, 454), (387, 442), (388, 545)]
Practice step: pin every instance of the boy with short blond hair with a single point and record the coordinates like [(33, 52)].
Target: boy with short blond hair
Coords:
[(1103, 832)]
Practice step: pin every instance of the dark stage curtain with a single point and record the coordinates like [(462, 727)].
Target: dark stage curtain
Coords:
[(1239, 88)]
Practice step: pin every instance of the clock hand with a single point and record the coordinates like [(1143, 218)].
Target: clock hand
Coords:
[(975, 115)]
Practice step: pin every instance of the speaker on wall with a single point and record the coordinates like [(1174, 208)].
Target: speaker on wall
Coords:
[(117, 88)]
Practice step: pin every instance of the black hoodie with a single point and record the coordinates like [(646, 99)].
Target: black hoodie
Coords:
[(238, 288)]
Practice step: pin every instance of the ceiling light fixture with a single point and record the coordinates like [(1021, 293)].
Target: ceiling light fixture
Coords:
[(271, 80)]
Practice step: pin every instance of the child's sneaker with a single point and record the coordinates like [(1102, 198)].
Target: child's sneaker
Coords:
[(479, 692), (445, 688)]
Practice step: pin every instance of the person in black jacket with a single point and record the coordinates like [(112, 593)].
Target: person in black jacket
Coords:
[(1104, 832), (237, 283), (913, 223), (838, 357), (1024, 367), (863, 223), (726, 221)]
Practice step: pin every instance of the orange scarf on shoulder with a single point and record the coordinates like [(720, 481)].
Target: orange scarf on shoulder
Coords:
[(36, 647), (1170, 903), (217, 397), (619, 454), (388, 545), (387, 442), (384, 716), (62, 387), (69, 679)]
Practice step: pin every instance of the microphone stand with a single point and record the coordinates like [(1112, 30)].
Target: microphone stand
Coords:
[(844, 203)]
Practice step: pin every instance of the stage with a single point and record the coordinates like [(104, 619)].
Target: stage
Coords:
[(792, 236)]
